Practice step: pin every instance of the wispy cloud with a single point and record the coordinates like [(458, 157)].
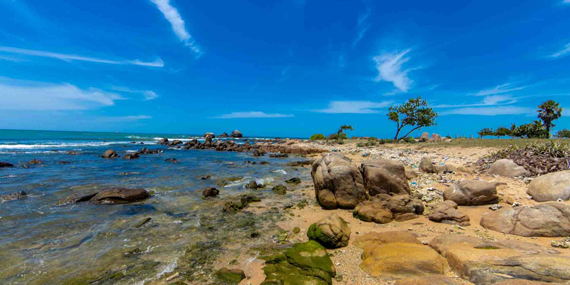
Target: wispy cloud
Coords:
[(492, 100), (44, 96), (246, 115), (362, 26), (171, 14), (564, 51), (354, 107), (71, 57), (501, 89), (390, 69), (491, 111), (147, 94)]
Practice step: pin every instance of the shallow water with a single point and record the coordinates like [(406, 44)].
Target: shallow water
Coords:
[(43, 243)]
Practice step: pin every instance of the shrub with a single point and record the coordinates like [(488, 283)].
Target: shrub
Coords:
[(316, 137), (565, 133)]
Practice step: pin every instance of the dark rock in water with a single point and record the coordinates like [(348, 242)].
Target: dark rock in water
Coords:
[(65, 162), (304, 263), (225, 181), (253, 185), (223, 135), (230, 276), (110, 154), (278, 155), (300, 163), (71, 152), (76, 199), (5, 164), (244, 201), (131, 156), (171, 160), (280, 189), (236, 134), (175, 142), (145, 150), (163, 141), (294, 180), (210, 135), (206, 177), (210, 192), (35, 161), (120, 196), (264, 163), (256, 152), (14, 196)]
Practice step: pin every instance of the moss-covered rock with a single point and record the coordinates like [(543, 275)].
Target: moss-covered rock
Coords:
[(303, 264), (331, 232), (229, 276), (280, 189), (294, 180)]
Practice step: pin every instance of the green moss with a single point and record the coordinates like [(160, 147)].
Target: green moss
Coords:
[(229, 277), (280, 189)]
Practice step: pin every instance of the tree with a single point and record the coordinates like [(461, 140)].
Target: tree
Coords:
[(565, 133), (413, 113), (549, 111), (344, 128), (317, 137), (532, 130), (486, 132), (502, 131)]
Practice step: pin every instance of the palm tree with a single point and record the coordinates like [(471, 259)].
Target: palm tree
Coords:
[(548, 112)]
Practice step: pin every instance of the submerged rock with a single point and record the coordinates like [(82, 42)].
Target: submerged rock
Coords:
[(280, 189), (5, 164), (330, 232), (542, 220), (338, 182), (507, 168), (13, 196), (120, 196), (242, 203), (383, 176), (304, 263), (109, 154), (550, 187), (131, 156), (300, 163), (35, 162), (294, 180), (472, 193), (254, 185), (230, 276), (210, 192)]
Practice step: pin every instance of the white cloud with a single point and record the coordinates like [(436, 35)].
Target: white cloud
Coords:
[(147, 94), (246, 115), (500, 89), (171, 14), (389, 66), (42, 96), (70, 57), (491, 111), (354, 107), (563, 52), (493, 100)]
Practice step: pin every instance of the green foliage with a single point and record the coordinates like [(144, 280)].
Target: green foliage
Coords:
[(408, 140), (502, 131), (549, 111), (565, 133), (317, 137), (533, 130), (344, 128), (413, 113), (337, 137)]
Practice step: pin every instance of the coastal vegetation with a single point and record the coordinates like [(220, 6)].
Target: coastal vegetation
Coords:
[(415, 113)]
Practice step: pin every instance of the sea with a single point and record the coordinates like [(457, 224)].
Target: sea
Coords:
[(44, 242)]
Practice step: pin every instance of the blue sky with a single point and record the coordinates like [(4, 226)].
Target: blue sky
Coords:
[(279, 68)]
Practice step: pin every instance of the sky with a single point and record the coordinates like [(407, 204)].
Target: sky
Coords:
[(279, 68)]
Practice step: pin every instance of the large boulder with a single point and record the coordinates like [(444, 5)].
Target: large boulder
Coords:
[(120, 196), (543, 220), (209, 135), (331, 232), (304, 263), (472, 193), (446, 212), (507, 168), (223, 135), (405, 207), (338, 182), (435, 138), (487, 262), (384, 176), (236, 134), (109, 154), (373, 211), (426, 165), (424, 137), (550, 187)]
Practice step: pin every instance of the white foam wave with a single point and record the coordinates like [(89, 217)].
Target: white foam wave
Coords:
[(54, 145), (281, 171)]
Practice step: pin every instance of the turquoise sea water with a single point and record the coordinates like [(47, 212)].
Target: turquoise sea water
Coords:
[(43, 243)]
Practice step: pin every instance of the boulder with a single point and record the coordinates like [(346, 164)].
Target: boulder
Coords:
[(550, 187), (446, 212), (175, 143), (35, 162), (426, 165), (402, 260), (294, 180), (304, 263), (163, 141), (373, 211), (254, 185), (280, 189), (435, 138), (223, 135), (542, 220), (487, 262), (383, 176), (432, 280), (508, 168), (210, 192), (331, 232), (384, 208), (472, 193), (209, 135), (236, 134), (411, 173), (377, 238), (110, 154), (405, 207), (338, 182), (5, 164), (120, 196), (13, 196), (133, 155), (424, 137)]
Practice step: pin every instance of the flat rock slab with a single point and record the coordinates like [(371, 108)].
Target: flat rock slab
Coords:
[(432, 280), (542, 220), (120, 196)]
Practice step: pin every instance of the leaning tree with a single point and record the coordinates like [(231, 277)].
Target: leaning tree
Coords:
[(414, 113)]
